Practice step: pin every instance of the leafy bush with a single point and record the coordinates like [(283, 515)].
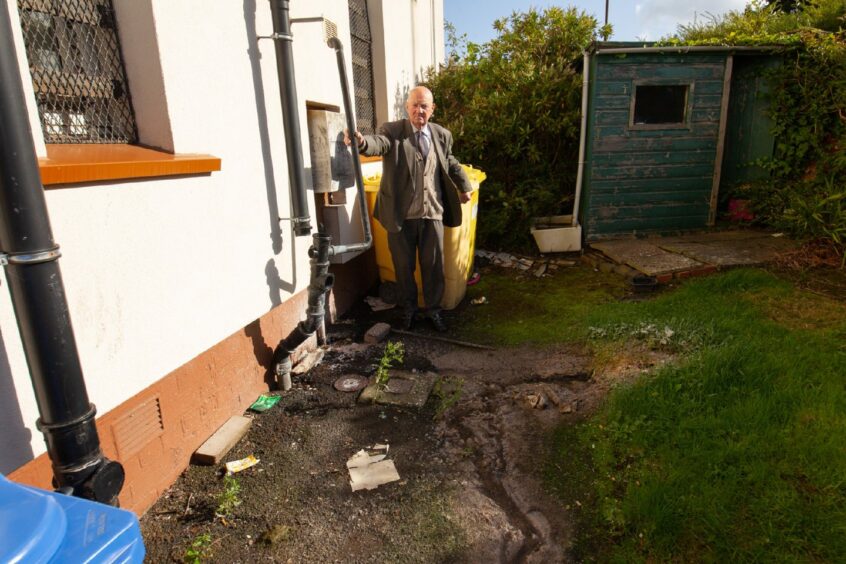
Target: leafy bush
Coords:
[(514, 106), (392, 355)]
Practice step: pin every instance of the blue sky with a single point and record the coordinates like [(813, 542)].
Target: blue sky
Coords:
[(632, 19)]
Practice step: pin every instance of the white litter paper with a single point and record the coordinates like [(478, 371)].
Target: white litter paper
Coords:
[(369, 470), (376, 304), (373, 475)]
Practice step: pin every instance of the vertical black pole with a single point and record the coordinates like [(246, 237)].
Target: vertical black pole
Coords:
[(35, 284), (288, 93)]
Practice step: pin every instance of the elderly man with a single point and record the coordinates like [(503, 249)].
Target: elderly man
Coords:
[(422, 189)]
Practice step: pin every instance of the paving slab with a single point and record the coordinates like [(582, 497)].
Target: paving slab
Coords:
[(709, 236), (221, 442), (731, 251), (646, 256), (406, 389)]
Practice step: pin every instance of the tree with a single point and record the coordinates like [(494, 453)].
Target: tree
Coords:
[(787, 6), (513, 104)]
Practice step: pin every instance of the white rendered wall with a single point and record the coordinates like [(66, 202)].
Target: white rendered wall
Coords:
[(405, 40), (158, 271)]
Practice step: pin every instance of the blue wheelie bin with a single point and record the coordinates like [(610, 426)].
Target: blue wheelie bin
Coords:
[(37, 526)]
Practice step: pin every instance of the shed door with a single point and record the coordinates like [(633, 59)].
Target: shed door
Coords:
[(748, 130)]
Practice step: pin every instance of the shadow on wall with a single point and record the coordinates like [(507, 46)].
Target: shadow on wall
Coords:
[(400, 96), (15, 448), (262, 352), (275, 284)]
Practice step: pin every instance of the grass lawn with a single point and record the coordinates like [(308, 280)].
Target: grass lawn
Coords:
[(734, 452)]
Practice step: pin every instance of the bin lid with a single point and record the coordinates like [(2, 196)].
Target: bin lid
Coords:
[(474, 174), (32, 524), (371, 183)]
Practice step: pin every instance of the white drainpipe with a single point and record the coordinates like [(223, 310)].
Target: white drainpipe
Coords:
[(582, 137)]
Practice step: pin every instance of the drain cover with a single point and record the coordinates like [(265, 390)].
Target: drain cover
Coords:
[(350, 383)]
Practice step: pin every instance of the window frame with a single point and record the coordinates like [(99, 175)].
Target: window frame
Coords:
[(361, 95), (76, 65), (688, 105)]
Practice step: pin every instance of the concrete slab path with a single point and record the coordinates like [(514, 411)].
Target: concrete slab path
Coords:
[(697, 253)]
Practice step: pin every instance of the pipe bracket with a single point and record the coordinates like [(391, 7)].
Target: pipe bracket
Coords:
[(277, 36), (30, 258)]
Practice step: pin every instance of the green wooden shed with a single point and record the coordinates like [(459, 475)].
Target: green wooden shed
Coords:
[(665, 128)]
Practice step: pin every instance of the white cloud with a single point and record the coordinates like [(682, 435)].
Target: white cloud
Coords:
[(657, 18)]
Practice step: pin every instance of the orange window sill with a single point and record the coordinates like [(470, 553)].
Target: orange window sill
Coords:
[(72, 164)]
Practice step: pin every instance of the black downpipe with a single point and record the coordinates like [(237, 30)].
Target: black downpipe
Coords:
[(35, 284), (321, 280), (320, 283), (288, 95)]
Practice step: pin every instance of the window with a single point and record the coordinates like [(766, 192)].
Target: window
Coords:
[(362, 61), (77, 71), (660, 105)]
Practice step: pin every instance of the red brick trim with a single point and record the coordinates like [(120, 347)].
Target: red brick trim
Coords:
[(195, 400)]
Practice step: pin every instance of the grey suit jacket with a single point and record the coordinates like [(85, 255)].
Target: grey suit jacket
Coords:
[(395, 144)]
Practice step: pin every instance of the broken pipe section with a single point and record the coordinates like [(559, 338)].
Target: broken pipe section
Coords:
[(321, 280)]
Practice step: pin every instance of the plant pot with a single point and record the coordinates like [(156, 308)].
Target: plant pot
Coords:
[(642, 284), (556, 234)]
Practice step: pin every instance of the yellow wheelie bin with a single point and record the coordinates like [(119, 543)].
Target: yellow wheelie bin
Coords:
[(459, 245)]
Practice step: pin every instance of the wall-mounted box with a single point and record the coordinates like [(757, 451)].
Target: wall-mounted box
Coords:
[(331, 159)]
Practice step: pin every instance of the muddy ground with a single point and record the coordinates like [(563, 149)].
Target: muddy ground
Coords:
[(471, 463)]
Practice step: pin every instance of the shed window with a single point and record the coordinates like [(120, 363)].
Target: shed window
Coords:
[(660, 104)]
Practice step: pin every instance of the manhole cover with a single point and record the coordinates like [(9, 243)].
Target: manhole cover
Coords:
[(350, 383)]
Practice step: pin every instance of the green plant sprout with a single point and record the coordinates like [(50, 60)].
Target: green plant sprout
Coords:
[(198, 550), (228, 499), (393, 354), (448, 392)]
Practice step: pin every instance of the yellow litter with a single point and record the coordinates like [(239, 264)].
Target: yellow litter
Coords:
[(239, 465)]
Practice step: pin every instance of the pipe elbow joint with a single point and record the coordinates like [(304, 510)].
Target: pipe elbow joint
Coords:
[(335, 44)]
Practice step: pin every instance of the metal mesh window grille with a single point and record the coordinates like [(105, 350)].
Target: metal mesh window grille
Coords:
[(362, 61), (77, 71)]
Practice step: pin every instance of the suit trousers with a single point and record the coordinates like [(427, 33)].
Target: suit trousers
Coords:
[(421, 239)]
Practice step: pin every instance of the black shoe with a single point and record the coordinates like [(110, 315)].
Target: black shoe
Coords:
[(408, 321), (438, 322)]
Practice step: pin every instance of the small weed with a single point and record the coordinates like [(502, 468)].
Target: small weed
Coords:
[(199, 549), (393, 354), (656, 336), (228, 499), (448, 391)]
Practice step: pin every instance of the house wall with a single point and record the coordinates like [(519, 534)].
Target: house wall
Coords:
[(400, 65), (179, 288), (642, 180)]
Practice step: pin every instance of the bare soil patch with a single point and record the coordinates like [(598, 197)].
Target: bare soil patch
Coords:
[(471, 463)]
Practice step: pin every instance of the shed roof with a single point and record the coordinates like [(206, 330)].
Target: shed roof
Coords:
[(631, 47)]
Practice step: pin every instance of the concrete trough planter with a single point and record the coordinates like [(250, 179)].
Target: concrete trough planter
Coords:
[(557, 234)]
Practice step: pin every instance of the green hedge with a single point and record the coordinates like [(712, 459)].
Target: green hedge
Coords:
[(513, 105)]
